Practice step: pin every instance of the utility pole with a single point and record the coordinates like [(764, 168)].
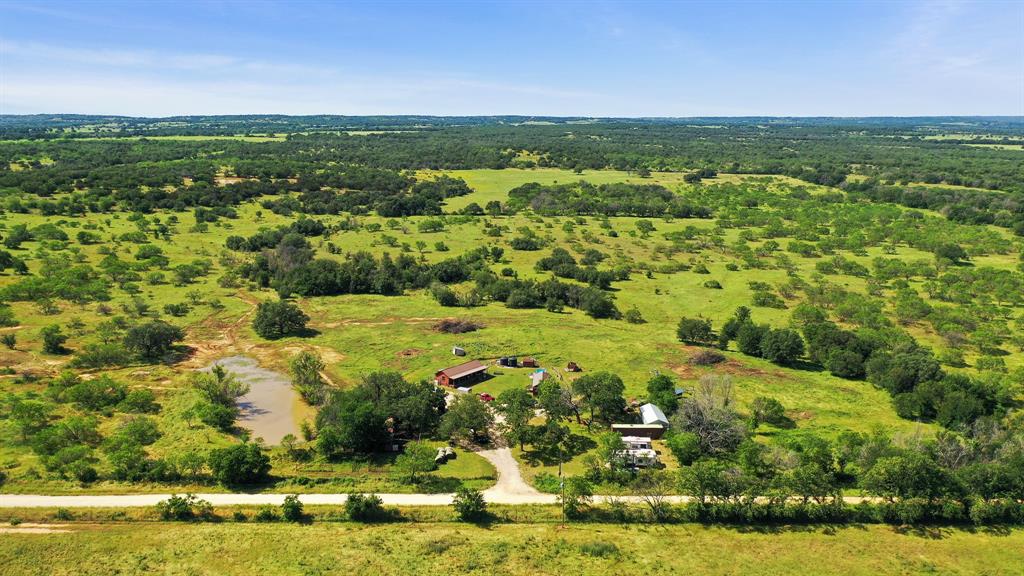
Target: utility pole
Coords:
[(561, 482)]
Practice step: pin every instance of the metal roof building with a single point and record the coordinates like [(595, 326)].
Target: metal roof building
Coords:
[(651, 414)]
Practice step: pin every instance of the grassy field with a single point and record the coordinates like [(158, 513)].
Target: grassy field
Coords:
[(357, 334), (446, 548)]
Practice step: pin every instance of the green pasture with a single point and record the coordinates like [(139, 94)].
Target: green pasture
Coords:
[(439, 548), (357, 334)]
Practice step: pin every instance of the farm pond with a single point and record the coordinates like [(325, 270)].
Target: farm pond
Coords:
[(268, 410)]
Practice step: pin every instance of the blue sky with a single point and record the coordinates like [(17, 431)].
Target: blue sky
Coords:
[(533, 58)]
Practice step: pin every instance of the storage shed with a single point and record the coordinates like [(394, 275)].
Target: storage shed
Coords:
[(465, 374), (651, 414)]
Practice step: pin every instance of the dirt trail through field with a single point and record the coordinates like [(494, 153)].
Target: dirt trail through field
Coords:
[(29, 528), (206, 350)]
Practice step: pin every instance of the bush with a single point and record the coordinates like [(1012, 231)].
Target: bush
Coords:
[(845, 364), (139, 401), (633, 316), (53, 340), (714, 284), (782, 346), (186, 507), (547, 482), (364, 508), (240, 464), (153, 340), (216, 415), (769, 411), (469, 504), (685, 446), (291, 508), (599, 549), (695, 331), (266, 513), (279, 319), (444, 295), (102, 355), (768, 300), (749, 336)]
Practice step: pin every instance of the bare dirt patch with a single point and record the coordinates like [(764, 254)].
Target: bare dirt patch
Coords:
[(30, 528), (410, 353)]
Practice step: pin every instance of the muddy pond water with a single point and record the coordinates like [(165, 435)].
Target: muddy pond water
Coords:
[(268, 410)]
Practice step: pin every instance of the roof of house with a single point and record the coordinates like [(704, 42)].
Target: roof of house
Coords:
[(651, 414), (637, 426), (464, 369)]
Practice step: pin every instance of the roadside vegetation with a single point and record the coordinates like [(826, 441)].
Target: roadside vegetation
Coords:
[(847, 322)]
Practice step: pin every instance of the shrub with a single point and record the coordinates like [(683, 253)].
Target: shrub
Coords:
[(153, 340), (768, 410), (187, 507), (715, 284), (547, 482), (695, 331), (279, 319), (9, 340), (444, 295), (767, 300), (179, 309), (240, 464), (469, 504), (364, 508), (599, 549), (101, 355), (845, 364), (633, 316), (53, 340), (749, 336), (685, 446), (7, 318), (291, 508), (140, 401), (576, 496), (216, 415), (266, 513), (782, 346)]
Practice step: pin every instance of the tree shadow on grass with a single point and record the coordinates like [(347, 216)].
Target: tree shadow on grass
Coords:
[(574, 445)]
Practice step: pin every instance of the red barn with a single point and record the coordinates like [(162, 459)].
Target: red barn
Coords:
[(464, 374)]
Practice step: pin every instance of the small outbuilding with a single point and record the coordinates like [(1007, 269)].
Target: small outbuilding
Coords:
[(458, 351), (651, 414), (465, 374), (530, 362), (573, 367), (538, 376)]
